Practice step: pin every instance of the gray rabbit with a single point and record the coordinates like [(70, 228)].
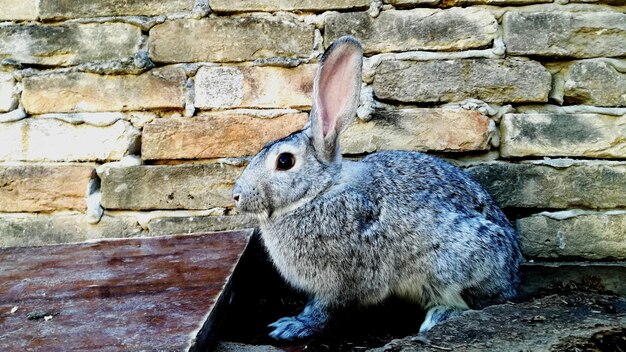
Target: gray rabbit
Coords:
[(395, 223)]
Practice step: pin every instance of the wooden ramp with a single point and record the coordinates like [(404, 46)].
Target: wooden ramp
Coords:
[(116, 295)]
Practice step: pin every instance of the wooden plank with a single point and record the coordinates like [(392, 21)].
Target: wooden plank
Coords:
[(131, 294)]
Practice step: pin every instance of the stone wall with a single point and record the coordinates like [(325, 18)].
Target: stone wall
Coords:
[(133, 118)]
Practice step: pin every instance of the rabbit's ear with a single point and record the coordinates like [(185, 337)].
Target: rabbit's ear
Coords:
[(336, 92)]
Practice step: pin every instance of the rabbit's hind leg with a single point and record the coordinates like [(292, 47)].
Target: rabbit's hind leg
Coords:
[(311, 321), (439, 314)]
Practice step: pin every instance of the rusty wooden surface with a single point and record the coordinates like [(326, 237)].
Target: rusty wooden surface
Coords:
[(117, 295)]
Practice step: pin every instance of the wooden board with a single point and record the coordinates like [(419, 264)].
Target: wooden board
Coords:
[(116, 295)]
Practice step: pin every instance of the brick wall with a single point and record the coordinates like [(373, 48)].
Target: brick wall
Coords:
[(133, 118)]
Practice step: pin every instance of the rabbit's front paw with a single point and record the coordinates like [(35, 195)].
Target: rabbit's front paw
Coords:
[(292, 328)]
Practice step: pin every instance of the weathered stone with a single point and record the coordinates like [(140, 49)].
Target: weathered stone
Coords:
[(449, 3), (419, 29), (588, 135), (42, 139), (595, 82), (418, 129), (228, 39), (184, 225), (37, 187), (8, 98), (42, 229), (69, 44), (55, 9), (454, 80), (286, 5), (265, 87), (215, 135), (201, 186), (608, 2), (85, 92), (527, 185), (597, 235), (18, 10), (570, 321), (570, 34), (411, 3)]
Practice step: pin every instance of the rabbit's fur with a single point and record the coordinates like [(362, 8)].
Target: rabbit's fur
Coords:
[(394, 223)]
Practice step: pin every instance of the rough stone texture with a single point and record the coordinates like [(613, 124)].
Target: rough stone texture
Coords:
[(18, 10), (454, 80), (33, 187), (588, 185), (264, 87), (35, 230), (55, 9), (43, 139), (449, 3), (568, 322), (184, 225), (418, 129), (588, 135), (8, 98), (88, 92), (224, 39), (169, 187), (286, 5), (570, 34), (419, 29), (214, 136), (587, 236), (69, 44), (595, 82)]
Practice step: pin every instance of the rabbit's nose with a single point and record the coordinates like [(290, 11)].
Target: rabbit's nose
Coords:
[(236, 197)]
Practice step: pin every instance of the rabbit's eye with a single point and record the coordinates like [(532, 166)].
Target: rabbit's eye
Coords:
[(285, 161)]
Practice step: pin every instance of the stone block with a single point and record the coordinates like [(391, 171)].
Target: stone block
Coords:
[(453, 29), (8, 96), (526, 185), (454, 80), (215, 135), (56, 9), (44, 229), (418, 129), (286, 5), (595, 82), (87, 92), (43, 139), (43, 187), (191, 224), (578, 135), (264, 87), (197, 186), (23, 10), (565, 34), (69, 44), (588, 235), (230, 39)]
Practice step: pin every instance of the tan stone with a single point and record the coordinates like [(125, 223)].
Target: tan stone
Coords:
[(215, 135), (264, 87), (198, 186), (568, 34), (598, 82), (55, 9), (286, 5), (43, 229), (229, 39), (69, 44), (43, 187), (18, 10), (88, 92), (419, 29), (164, 226), (42, 139), (418, 129), (8, 98), (454, 80), (587, 235), (588, 135)]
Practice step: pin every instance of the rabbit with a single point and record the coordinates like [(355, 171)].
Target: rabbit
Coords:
[(395, 223)]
